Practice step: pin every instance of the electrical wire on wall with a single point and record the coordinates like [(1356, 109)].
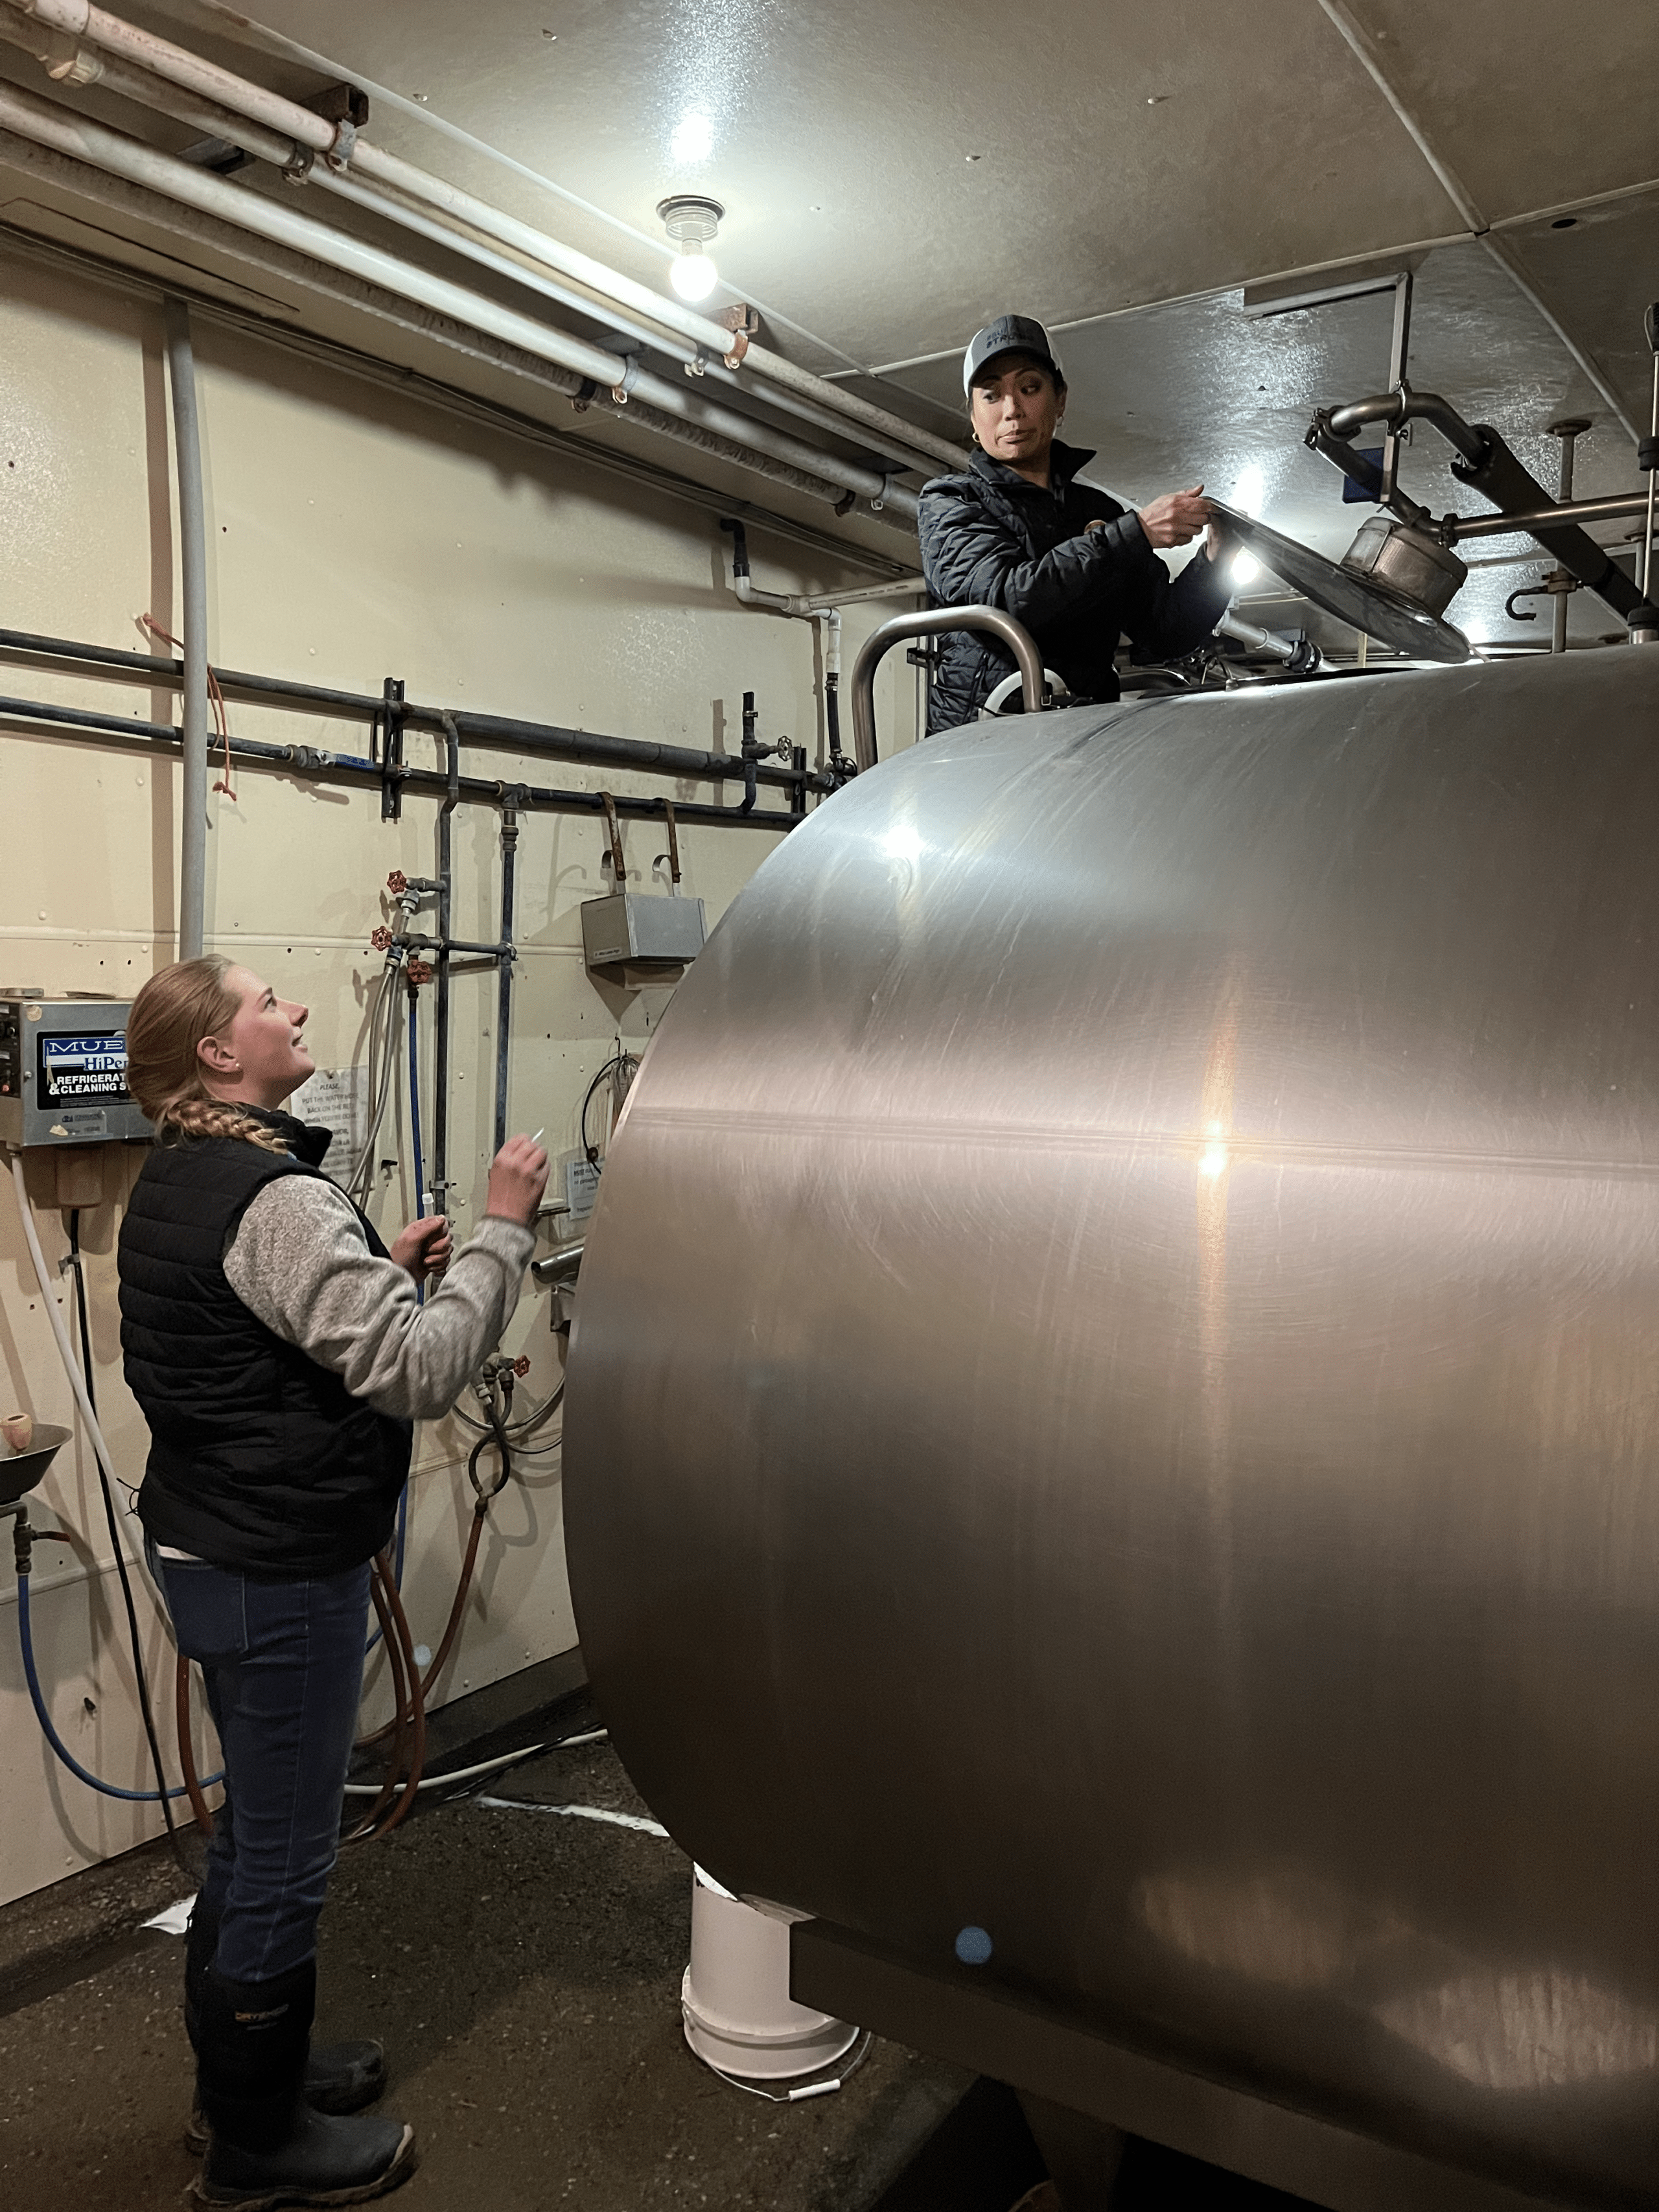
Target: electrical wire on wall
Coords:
[(619, 1070), (216, 698)]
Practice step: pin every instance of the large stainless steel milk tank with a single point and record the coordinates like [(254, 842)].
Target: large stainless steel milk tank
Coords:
[(1115, 1403)]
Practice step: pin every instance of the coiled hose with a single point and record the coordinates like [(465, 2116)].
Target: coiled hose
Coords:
[(188, 1787)]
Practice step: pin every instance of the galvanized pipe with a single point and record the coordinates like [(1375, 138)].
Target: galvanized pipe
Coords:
[(930, 623), (128, 199), (584, 302), (193, 562), (341, 146), (590, 372)]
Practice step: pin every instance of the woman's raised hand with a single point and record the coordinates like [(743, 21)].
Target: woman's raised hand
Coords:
[(1177, 518), (518, 1176)]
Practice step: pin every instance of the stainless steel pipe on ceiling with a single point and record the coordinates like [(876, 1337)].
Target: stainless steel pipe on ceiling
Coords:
[(1613, 508), (339, 145), (591, 373)]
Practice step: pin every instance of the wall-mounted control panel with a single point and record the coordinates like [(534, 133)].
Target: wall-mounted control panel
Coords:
[(64, 1071), (640, 941)]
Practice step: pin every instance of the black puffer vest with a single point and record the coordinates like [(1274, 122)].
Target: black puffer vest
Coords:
[(260, 1462)]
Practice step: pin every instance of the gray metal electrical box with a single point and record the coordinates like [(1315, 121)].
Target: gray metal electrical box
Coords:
[(638, 941), (64, 1071)]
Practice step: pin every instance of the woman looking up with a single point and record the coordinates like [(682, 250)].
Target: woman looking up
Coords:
[(280, 1356), (1014, 531)]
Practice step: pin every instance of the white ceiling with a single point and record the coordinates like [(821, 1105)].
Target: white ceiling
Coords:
[(895, 172)]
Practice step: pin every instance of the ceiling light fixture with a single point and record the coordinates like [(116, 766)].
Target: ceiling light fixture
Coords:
[(692, 222)]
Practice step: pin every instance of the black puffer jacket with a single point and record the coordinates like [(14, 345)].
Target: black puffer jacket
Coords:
[(990, 538)]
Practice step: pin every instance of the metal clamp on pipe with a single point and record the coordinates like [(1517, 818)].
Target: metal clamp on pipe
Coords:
[(930, 622)]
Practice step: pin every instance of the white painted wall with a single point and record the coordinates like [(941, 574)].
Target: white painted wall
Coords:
[(353, 534)]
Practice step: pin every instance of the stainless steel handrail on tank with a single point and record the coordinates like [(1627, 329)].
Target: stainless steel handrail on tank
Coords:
[(1017, 639)]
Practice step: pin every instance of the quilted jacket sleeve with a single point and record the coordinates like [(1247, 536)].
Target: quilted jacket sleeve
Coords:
[(1166, 617), (970, 558)]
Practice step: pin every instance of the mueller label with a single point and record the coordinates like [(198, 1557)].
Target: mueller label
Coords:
[(75, 1068)]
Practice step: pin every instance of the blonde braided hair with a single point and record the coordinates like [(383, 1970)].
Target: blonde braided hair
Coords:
[(170, 1017)]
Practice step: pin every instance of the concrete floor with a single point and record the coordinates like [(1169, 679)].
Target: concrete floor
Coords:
[(523, 1970)]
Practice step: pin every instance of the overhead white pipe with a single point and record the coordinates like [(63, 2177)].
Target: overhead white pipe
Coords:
[(83, 140), (808, 602), (340, 146), (567, 293), (807, 605), (672, 398), (124, 199), (67, 63)]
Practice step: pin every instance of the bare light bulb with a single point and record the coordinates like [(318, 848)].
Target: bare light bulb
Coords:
[(693, 275), (692, 222)]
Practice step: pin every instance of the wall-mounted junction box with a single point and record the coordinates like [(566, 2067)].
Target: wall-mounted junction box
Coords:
[(64, 1071), (640, 941)]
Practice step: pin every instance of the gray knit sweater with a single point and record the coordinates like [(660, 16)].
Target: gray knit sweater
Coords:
[(299, 1260)]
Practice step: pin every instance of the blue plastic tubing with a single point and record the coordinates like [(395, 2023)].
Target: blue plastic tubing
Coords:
[(25, 1636)]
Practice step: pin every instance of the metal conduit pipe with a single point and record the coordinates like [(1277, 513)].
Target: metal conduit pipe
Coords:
[(340, 145), (589, 373), (585, 301), (642, 754), (772, 367), (588, 302), (932, 622), (67, 63), (192, 561), (89, 183), (126, 198)]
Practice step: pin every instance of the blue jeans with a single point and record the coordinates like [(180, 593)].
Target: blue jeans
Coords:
[(284, 1668)]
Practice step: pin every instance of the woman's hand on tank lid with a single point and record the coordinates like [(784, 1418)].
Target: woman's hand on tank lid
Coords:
[(518, 1176), (1177, 518), (425, 1248)]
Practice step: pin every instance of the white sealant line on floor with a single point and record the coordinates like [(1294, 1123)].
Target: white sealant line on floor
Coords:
[(573, 1813)]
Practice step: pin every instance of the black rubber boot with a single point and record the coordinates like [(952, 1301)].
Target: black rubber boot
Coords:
[(266, 2145), (339, 2077)]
